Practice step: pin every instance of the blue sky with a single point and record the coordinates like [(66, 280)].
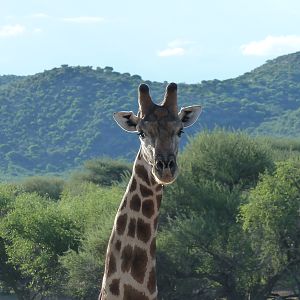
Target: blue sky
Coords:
[(161, 40)]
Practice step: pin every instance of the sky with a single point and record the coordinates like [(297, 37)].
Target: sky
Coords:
[(160, 40)]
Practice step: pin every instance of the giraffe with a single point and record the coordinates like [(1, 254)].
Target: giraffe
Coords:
[(130, 266)]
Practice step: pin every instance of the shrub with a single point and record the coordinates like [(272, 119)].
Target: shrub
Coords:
[(103, 171), (44, 186)]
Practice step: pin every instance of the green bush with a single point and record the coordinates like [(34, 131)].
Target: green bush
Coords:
[(201, 240), (44, 186), (282, 149), (271, 219), (103, 171), (231, 158), (216, 161), (93, 209), (36, 231)]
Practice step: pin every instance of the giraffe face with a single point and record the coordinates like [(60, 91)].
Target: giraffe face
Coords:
[(159, 128), (159, 133)]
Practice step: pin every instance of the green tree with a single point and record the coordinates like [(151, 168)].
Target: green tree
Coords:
[(272, 220), (201, 241), (10, 277), (103, 171), (93, 208), (36, 232), (44, 186)]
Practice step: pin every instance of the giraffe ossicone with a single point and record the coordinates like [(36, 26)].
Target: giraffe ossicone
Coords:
[(130, 265)]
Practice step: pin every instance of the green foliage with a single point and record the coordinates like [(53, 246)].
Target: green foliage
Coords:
[(7, 196), (85, 267), (56, 248), (64, 115), (9, 276), (217, 161), (229, 158), (51, 187), (86, 202), (272, 219), (229, 225), (282, 149), (36, 231), (284, 125), (200, 214), (103, 171), (93, 210)]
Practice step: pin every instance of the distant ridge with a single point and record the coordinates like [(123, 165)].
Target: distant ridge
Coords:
[(53, 120)]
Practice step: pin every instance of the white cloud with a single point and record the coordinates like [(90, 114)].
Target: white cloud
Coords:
[(176, 47), (177, 51), (84, 19), (11, 30), (272, 45)]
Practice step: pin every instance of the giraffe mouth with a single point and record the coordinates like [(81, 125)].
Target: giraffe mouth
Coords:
[(165, 176)]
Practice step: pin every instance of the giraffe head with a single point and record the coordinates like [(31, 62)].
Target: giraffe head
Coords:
[(159, 128)]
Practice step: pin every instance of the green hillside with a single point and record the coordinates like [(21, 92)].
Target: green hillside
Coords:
[(54, 120)]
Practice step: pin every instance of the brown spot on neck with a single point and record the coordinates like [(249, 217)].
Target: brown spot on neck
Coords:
[(121, 224), (118, 245), (112, 268), (146, 192), (132, 185), (142, 173), (148, 208), (135, 203), (139, 264), (130, 293), (143, 230), (115, 287), (126, 258), (132, 228)]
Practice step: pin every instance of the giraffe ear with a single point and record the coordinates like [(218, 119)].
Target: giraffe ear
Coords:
[(127, 120), (189, 115)]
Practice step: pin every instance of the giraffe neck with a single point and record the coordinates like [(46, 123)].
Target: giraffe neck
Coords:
[(130, 259)]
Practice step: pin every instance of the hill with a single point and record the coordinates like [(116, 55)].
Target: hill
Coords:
[(54, 120)]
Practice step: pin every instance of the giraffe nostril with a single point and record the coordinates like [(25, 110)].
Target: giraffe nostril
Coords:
[(159, 165), (171, 164)]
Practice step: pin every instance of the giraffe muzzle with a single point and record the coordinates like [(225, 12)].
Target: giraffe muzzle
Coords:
[(165, 169)]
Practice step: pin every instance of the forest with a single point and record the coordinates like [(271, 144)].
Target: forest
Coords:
[(228, 228), (55, 120)]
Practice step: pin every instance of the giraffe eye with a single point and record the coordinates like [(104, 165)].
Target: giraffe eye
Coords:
[(141, 134), (180, 132)]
